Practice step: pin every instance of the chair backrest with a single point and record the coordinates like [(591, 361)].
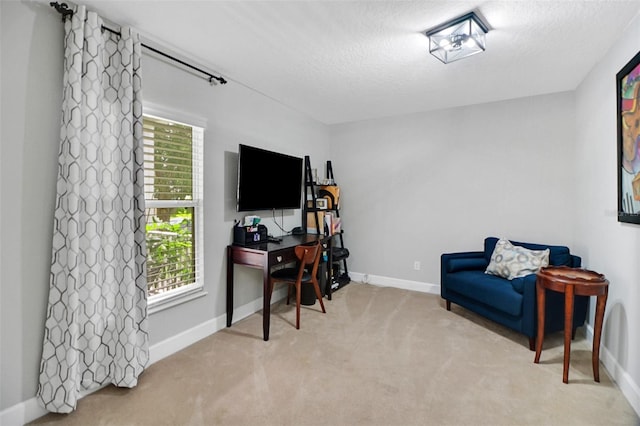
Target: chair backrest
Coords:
[(309, 255)]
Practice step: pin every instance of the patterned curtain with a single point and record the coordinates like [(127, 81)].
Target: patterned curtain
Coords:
[(96, 324)]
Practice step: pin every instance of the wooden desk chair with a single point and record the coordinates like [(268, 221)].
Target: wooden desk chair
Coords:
[(307, 256)]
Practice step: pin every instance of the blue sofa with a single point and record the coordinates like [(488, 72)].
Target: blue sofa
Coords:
[(511, 303)]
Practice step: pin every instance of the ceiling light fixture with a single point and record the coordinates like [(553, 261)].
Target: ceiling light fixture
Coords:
[(457, 38)]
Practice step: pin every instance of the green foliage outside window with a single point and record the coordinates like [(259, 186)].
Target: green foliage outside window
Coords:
[(170, 258)]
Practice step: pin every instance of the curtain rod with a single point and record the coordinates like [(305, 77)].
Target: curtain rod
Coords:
[(64, 10)]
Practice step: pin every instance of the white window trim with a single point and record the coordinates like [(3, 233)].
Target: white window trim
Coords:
[(160, 302), (157, 111), (175, 297)]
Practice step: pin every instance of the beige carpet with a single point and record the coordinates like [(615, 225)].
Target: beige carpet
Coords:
[(380, 356)]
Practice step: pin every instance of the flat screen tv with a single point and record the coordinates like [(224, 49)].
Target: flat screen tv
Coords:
[(268, 180)]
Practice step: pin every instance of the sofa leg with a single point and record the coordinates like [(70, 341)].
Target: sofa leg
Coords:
[(573, 333), (532, 343), (448, 305)]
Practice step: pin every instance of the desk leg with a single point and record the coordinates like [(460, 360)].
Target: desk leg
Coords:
[(229, 286), (540, 295), (266, 299), (568, 330), (597, 332)]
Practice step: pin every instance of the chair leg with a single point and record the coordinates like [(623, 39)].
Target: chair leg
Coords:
[(316, 287), (298, 305), (288, 292)]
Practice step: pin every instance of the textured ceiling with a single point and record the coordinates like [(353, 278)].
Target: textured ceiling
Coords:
[(340, 61)]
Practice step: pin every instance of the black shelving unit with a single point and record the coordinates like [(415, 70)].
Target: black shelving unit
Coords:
[(310, 187), (339, 252), (338, 272)]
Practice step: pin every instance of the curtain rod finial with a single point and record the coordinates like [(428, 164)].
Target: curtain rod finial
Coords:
[(214, 81), (62, 8)]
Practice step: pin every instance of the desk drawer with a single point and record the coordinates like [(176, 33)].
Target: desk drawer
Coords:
[(249, 258), (281, 257)]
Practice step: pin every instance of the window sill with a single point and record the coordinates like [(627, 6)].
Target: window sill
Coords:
[(159, 305)]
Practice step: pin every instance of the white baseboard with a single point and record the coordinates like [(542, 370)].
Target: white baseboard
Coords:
[(625, 382), (22, 413), (381, 281), (29, 410), (188, 337)]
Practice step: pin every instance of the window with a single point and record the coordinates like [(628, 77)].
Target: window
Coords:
[(173, 196)]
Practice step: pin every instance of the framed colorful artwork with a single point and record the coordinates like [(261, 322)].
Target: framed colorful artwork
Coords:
[(628, 97)]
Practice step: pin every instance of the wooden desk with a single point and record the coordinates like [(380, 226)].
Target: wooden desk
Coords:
[(263, 256), (578, 282)]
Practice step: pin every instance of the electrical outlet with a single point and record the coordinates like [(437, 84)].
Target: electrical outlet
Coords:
[(416, 265)]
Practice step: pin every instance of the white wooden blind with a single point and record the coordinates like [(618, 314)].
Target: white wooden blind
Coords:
[(173, 196)]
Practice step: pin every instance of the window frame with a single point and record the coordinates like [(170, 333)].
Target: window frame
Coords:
[(193, 290)]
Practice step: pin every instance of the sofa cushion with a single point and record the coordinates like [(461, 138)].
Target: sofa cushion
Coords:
[(558, 255), (490, 290), (509, 261)]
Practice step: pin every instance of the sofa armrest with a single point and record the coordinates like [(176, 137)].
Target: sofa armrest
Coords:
[(463, 261), (529, 305), (576, 261)]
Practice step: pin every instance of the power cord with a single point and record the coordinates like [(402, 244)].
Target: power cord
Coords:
[(273, 213)]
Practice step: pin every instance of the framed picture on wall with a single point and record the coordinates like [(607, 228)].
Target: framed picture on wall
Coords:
[(628, 99)]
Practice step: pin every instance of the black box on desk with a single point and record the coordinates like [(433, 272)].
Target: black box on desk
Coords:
[(247, 235)]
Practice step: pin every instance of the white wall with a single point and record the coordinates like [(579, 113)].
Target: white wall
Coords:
[(608, 246), (31, 98), (420, 185)]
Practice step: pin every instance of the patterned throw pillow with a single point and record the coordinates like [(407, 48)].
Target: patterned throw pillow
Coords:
[(509, 261)]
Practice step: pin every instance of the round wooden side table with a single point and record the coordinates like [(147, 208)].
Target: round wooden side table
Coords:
[(572, 282)]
